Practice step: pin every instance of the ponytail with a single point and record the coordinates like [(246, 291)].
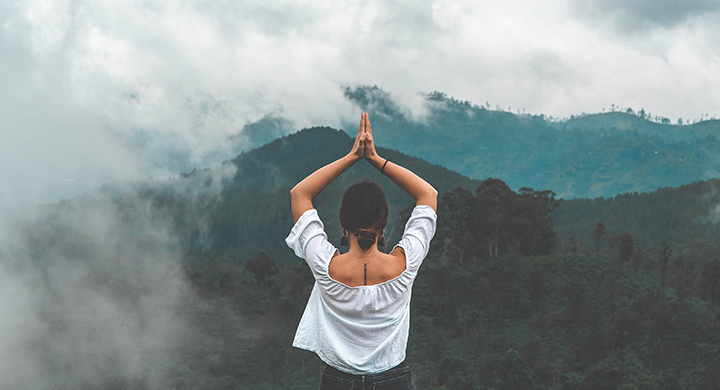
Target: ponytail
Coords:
[(366, 237)]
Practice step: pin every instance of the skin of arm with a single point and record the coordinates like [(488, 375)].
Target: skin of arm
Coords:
[(304, 192), (414, 185)]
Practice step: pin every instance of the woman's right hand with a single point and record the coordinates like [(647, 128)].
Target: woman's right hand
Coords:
[(370, 153)]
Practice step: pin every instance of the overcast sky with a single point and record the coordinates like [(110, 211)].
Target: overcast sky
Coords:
[(83, 82)]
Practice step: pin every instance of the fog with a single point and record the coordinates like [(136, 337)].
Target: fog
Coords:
[(91, 290), (97, 91)]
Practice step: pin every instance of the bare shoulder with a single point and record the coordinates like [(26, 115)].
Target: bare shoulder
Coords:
[(395, 262), (337, 262), (398, 252)]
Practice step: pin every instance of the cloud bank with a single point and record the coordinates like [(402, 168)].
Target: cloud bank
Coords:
[(89, 297), (94, 91)]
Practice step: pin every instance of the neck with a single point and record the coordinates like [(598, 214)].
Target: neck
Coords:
[(359, 252), (356, 250)]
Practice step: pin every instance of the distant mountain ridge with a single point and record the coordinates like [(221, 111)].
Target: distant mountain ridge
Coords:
[(624, 121), (222, 216), (586, 156)]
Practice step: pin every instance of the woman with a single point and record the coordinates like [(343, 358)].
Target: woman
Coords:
[(358, 315)]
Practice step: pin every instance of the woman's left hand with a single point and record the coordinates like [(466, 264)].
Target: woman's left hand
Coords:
[(358, 149)]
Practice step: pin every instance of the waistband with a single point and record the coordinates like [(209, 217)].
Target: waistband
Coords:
[(398, 370)]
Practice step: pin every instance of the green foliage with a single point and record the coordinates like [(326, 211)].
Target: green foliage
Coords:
[(497, 221), (514, 372), (686, 217), (263, 267)]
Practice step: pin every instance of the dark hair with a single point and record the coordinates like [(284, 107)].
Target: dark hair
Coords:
[(363, 210)]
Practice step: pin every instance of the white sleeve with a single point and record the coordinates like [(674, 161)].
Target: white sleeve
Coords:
[(419, 231), (309, 242)]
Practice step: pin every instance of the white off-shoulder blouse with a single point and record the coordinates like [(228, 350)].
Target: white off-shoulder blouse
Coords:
[(364, 329)]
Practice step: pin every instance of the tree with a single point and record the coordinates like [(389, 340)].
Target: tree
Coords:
[(575, 293), (687, 276), (665, 253), (263, 267), (514, 372), (638, 258), (711, 281), (457, 211), (575, 244), (625, 247), (533, 227), (226, 285), (494, 204), (598, 233), (495, 222)]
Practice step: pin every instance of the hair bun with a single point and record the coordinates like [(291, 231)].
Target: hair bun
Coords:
[(366, 237)]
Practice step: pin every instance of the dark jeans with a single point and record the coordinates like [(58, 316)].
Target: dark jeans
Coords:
[(396, 378)]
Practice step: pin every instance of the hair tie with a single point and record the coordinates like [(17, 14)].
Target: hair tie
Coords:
[(382, 170)]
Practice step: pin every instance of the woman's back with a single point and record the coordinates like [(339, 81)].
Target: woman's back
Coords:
[(357, 328), (366, 270)]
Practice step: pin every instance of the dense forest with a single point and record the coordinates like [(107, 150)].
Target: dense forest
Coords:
[(686, 217), (522, 289), (497, 305)]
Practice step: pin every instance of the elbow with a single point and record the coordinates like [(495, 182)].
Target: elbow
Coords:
[(296, 193), (428, 197), (432, 192)]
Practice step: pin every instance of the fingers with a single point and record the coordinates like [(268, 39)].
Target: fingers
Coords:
[(362, 124), (368, 129), (364, 140)]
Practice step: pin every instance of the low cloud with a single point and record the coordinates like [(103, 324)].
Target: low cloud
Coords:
[(97, 91), (715, 213), (90, 291), (638, 15)]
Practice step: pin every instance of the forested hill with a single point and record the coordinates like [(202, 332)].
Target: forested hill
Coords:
[(585, 156), (497, 304), (225, 215), (687, 218), (252, 214), (228, 214)]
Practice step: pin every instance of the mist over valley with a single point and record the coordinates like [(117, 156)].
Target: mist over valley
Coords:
[(186, 283)]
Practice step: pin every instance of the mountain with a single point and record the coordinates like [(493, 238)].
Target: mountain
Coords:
[(218, 218), (629, 121), (555, 321), (585, 156)]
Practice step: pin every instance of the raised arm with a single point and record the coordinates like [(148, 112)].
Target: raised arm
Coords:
[(414, 185), (304, 192)]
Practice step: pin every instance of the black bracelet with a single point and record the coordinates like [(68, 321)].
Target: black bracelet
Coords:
[(382, 170)]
